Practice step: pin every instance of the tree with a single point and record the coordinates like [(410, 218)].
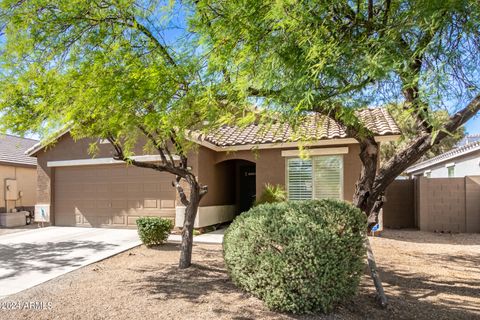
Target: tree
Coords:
[(409, 133), (103, 69), (335, 56)]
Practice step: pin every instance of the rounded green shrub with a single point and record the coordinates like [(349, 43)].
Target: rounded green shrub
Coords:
[(154, 230), (299, 256)]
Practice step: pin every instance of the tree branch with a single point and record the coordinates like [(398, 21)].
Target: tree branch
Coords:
[(415, 149)]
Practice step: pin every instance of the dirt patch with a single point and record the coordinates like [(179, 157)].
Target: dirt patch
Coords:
[(426, 276)]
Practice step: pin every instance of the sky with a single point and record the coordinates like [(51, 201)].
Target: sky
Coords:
[(473, 126)]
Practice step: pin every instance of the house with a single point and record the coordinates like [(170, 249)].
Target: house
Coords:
[(464, 160), (18, 174), (235, 163)]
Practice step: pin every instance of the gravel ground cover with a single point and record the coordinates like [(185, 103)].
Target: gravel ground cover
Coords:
[(426, 276)]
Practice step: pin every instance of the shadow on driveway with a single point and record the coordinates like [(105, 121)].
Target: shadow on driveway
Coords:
[(20, 258)]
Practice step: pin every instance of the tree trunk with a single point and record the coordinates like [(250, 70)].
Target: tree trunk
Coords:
[(381, 297), (188, 223)]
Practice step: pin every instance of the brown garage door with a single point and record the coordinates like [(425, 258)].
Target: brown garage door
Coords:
[(110, 195)]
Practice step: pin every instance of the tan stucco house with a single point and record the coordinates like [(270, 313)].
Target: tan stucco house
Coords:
[(235, 163), (18, 174)]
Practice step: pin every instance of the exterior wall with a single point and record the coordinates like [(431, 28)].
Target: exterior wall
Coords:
[(68, 149), (468, 165), (449, 204), (26, 182), (211, 168), (270, 168), (399, 208), (472, 204), (219, 177), (439, 205)]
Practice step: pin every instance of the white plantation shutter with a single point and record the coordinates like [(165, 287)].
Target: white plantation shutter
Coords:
[(328, 177), (318, 178), (299, 179)]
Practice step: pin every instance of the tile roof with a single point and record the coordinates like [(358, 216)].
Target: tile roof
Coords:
[(314, 127), (454, 153), (12, 150)]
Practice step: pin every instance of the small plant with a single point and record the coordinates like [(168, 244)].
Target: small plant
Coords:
[(299, 256), (271, 194), (154, 230)]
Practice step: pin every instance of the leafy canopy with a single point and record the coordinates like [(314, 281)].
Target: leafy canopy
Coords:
[(334, 56), (407, 125), (103, 68)]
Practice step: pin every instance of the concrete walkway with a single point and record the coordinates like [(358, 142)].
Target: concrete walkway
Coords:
[(32, 257), (210, 237)]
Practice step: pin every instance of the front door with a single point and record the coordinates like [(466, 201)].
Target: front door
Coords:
[(247, 186)]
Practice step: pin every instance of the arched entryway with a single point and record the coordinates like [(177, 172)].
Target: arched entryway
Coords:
[(240, 184)]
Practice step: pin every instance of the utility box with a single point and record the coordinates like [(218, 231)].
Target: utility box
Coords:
[(42, 213), (13, 219), (11, 190)]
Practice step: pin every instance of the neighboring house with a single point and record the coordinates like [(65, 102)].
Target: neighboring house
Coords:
[(18, 174), (234, 162), (464, 160)]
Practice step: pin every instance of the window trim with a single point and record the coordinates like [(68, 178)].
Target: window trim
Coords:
[(452, 168), (342, 175), (316, 152)]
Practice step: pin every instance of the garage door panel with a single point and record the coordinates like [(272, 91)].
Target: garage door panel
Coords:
[(167, 204), (102, 188), (119, 204), (151, 187), (65, 220), (119, 220), (134, 204), (110, 195)]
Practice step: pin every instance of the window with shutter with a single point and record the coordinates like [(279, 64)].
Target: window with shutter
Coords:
[(328, 177), (316, 178), (299, 179)]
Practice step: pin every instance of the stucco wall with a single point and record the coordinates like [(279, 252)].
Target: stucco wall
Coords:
[(449, 204), (68, 149), (399, 209), (211, 168), (26, 182), (270, 168)]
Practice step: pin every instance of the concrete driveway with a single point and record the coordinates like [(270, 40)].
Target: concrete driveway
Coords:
[(29, 258)]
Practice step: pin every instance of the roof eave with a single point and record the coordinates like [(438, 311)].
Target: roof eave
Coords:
[(17, 164), (431, 162), (294, 144), (39, 146)]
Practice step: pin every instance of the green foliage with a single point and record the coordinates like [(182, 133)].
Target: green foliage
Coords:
[(300, 256), (335, 56), (154, 230), (272, 193), (406, 123), (102, 69)]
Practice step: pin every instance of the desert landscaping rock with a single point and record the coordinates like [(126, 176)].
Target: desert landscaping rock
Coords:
[(426, 276)]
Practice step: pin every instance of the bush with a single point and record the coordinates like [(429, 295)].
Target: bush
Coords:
[(271, 194), (154, 230), (300, 256)]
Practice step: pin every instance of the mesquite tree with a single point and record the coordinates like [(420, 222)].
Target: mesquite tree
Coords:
[(107, 69), (335, 56)]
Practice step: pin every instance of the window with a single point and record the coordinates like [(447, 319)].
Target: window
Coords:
[(451, 171), (299, 179), (316, 178)]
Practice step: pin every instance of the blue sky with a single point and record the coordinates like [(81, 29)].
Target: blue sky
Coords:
[(473, 126)]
